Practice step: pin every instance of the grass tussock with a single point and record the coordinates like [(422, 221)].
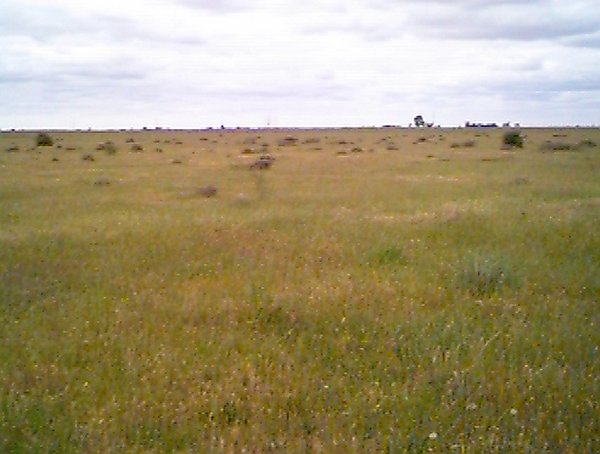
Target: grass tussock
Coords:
[(485, 276)]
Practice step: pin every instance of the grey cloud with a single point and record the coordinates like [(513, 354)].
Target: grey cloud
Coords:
[(575, 22), (507, 29), (590, 41), (518, 21), (48, 23), (81, 76), (41, 23)]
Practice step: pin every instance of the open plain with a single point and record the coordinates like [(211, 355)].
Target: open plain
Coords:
[(366, 290)]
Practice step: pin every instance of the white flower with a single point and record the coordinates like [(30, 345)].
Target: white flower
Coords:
[(513, 411), (433, 435)]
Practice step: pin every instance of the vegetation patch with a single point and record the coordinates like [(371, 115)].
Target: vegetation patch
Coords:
[(388, 256), (485, 275), (109, 147), (44, 139), (207, 191), (513, 139)]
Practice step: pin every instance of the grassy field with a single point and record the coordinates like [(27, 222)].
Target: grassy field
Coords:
[(375, 290)]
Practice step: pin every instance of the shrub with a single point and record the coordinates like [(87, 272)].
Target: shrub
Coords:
[(512, 139), (264, 162), (312, 140), (88, 157), (556, 146), (207, 191), (13, 148), (110, 147), (44, 140), (287, 141), (107, 146), (587, 143), (465, 144)]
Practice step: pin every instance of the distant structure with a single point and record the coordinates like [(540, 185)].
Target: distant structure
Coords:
[(421, 123), (468, 124)]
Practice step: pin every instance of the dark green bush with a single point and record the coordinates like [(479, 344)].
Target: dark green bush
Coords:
[(44, 140), (513, 139)]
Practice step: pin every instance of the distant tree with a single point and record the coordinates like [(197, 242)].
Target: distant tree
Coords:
[(419, 121)]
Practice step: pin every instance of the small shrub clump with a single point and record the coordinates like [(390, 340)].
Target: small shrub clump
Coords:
[(44, 140), (513, 139), (556, 146), (587, 143), (264, 162), (109, 147), (465, 144), (207, 191)]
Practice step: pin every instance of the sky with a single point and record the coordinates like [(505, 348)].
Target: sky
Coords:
[(310, 63)]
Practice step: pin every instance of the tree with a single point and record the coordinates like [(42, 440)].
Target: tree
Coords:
[(419, 122)]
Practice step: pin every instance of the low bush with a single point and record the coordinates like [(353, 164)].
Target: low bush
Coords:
[(44, 140), (587, 143), (207, 191), (107, 146), (513, 139), (556, 146)]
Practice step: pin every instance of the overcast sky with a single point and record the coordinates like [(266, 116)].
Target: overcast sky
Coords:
[(198, 63)]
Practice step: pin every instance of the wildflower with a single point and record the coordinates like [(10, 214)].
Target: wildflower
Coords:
[(433, 435), (513, 411)]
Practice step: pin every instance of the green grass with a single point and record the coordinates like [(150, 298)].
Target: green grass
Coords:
[(425, 298)]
